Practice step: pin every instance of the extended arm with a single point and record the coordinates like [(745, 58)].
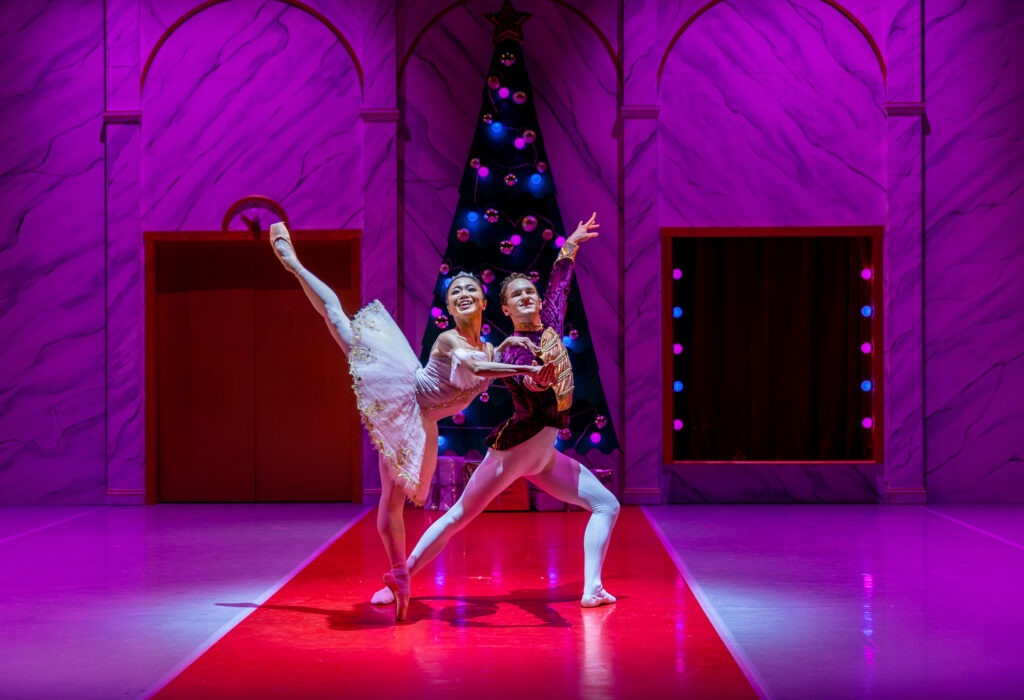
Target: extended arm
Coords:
[(555, 297), (486, 369)]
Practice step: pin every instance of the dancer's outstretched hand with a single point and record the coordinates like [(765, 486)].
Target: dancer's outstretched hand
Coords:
[(585, 231), (518, 341), (546, 376)]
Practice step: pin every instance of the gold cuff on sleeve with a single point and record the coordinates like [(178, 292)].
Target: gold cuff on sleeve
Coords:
[(568, 251)]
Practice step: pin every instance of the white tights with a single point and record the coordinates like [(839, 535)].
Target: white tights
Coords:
[(548, 469)]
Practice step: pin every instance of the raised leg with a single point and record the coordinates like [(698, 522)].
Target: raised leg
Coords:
[(569, 481), (323, 298)]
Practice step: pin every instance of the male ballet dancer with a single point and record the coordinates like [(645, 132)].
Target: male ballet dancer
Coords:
[(524, 446)]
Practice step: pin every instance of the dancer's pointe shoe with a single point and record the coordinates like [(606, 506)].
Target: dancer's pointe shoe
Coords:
[(278, 232), (398, 581), (383, 597), (602, 597)]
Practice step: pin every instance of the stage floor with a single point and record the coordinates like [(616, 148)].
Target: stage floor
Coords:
[(807, 601)]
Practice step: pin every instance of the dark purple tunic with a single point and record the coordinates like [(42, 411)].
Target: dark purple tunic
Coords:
[(535, 410)]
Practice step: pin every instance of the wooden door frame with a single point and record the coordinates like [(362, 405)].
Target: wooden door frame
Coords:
[(150, 239)]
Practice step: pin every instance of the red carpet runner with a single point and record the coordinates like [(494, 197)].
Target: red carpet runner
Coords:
[(497, 615)]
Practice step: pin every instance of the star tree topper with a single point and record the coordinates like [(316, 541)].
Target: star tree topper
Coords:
[(508, 24)]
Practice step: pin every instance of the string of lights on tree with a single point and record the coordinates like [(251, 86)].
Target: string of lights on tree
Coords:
[(507, 220)]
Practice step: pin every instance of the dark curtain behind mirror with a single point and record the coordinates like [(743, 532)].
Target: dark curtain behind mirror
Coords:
[(771, 363)]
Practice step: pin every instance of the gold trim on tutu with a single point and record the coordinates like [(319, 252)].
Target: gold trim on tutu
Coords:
[(383, 368)]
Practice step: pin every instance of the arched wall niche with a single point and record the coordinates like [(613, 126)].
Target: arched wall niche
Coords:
[(576, 80), (791, 97), (849, 15), (248, 97), (210, 3)]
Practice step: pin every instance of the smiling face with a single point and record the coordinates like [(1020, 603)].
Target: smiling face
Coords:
[(521, 302), (465, 298)]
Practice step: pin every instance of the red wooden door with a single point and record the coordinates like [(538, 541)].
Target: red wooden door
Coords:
[(254, 399)]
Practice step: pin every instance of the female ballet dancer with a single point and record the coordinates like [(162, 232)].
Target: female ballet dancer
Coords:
[(399, 401), (524, 446)]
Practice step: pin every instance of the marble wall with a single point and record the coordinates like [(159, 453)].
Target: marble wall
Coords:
[(974, 251), (52, 314), (356, 114)]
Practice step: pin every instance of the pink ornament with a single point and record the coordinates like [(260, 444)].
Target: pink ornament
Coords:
[(529, 136), (511, 180), (516, 239), (493, 82), (548, 234), (534, 276), (542, 167), (677, 349), (867, 422), (485, 397), (487, 276), (441, 322), (529, 222), (485, 328), (866, 273), (435, 312), (519, 98), (506, 247), (560, 241), (491, 215), (519, 143), (462, 234), (484, 171), (677, 274), (444, 268), (600, 421), (574, 334), (865, 348), (677, 424), (595, 438), (503, 93), (459, 419), (474, 163), (565, 433)]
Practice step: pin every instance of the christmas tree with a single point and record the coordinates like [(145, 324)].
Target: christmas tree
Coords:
[(506, 221)]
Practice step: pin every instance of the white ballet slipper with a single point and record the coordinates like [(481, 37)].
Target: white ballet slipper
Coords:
[(602, 597), (383, 597)]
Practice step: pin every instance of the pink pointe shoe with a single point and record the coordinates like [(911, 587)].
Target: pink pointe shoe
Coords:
[(278, 232), (397, 580), (602, 597)]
